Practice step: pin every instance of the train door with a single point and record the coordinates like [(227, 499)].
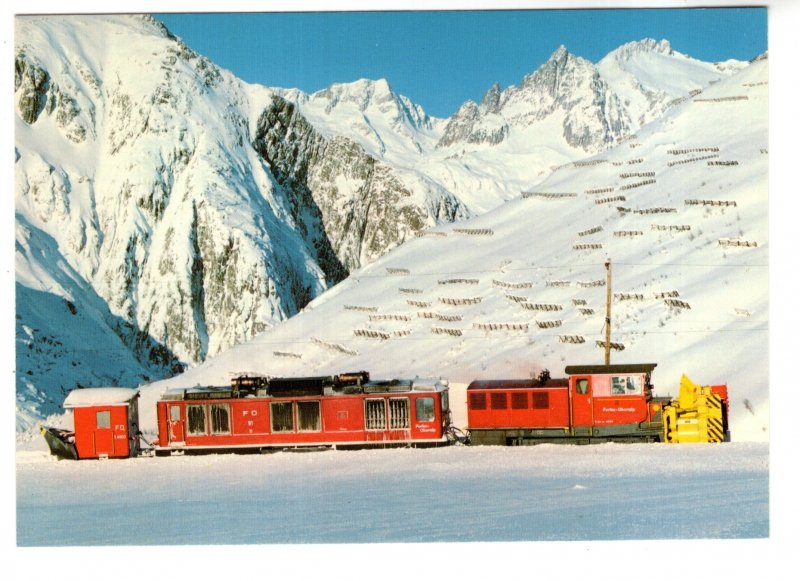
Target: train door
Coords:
[(426, 422), (176, 428), (103, 436), (582, 415)]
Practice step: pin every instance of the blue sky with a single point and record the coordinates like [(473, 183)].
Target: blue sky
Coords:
[(441, 59)]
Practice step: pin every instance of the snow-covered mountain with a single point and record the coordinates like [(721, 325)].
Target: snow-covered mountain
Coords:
[(167, 211), (486, 152), (200, 209), (595, 105), (681, 210)]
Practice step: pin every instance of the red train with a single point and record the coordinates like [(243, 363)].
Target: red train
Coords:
[(341, 411), (595, 403)]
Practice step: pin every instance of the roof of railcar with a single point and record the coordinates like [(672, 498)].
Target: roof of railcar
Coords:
[(374, 387), (517, 384), (609, 369), (90, 396)]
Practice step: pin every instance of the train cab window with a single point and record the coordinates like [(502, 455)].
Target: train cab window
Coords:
[(196, 418), (104, 419), (626, 385), (281, 416), (308, 418), (582, 386), (220, 418), (425, 409), (175, 413), (374, 414)]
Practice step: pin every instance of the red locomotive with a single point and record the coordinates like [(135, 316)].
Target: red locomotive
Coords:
[(274, 413), (596, 403)]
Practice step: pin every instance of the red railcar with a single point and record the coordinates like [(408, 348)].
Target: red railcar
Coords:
[(106, 424), (349, 410), (595, 403)]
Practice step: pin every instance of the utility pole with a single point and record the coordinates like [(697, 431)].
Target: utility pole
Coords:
[(608, 312)]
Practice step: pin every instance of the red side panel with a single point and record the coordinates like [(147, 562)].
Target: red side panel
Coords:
[(102, 431), (250, 417), (611, 411), (517, 407), (344, 416)]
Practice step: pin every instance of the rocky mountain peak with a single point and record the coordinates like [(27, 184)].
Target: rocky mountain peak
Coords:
[(647, 45), (560, 67), (362, 93), (491, 100)]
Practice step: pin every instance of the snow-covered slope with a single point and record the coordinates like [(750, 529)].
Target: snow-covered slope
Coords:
[(649, 76), (681, 210), (123, 157), (66, 335), (202, 209)]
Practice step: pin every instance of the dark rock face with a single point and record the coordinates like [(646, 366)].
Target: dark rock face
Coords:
[(350, 206), (31, 84), (291, 147)]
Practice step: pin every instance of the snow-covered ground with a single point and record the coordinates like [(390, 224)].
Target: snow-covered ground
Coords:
[(457, 511), (460, 493)]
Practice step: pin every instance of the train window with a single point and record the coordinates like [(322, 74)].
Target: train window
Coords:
[(196, 418), (308, 418), (175, 413), (374, 414), (499, 401), (626, 385), (541, 400), (220, 418), (425, 409), (477, 401), (519, 400), (104, 419), (281, 416), (445, 401), (398, 414), (582, 386)]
